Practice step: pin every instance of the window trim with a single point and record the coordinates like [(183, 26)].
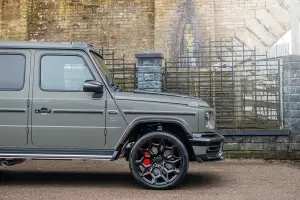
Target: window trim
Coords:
[(24, 75), (59, 54)]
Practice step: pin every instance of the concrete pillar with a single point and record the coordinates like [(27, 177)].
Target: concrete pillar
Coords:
[(150, 71), (291, 92)]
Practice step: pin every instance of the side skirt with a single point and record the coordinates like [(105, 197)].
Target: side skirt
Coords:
[(53, 154)]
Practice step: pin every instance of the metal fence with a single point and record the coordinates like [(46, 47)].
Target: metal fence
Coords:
[(241, 84), (123, 71)]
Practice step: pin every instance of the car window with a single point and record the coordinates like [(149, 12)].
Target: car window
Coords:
[(12, 69), (64, 73)]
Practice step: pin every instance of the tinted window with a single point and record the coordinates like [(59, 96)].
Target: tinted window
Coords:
[(12, 69), (64, 73)]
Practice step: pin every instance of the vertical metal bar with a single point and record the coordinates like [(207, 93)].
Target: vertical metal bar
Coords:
[(197, 69), (188, 71), (134, 76), (267, 88), (113, 63), (244, 91), (177, 84), (124, 84), (255, 90), (232, 85), (199, 74), (166, 78), (221, 73), (280, 99), (210, 76)]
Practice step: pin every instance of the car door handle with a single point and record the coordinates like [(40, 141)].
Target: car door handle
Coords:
[(42, 110), (112, 112)]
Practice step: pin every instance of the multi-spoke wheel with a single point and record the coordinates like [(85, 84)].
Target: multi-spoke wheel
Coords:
[(159, 160)]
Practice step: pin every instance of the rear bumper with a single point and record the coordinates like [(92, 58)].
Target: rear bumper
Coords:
[(207, 146)]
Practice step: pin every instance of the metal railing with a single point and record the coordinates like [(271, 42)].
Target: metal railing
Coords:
[(123, 71), (241, 84)]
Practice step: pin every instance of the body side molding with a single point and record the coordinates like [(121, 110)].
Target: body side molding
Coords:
[(46, 153), (158, 112), (13, 110)]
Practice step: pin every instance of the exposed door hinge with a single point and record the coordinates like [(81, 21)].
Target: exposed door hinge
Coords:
[(27, 130), (105, 103), (28, 103), (105, 133)]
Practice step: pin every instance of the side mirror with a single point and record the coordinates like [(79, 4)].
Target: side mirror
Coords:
[(93, 86)]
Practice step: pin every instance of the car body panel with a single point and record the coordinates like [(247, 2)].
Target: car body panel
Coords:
[(14, 111), (77, 119)]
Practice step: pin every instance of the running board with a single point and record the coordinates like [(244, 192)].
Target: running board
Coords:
[(54, 154)]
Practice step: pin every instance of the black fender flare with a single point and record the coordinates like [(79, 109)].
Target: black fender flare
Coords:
[(146, 119)]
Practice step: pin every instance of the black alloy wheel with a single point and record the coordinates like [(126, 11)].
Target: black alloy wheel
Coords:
[(159, 160)]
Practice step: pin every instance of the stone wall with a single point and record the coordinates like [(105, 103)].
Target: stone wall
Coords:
[(265, 147), (125, 25), (13, 20), (150, 71), (291, 92), (131, 26)]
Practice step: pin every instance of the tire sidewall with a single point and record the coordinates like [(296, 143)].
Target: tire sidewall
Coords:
[(181, 148)]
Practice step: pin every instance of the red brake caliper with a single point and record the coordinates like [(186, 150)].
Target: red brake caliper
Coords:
[(147, 160)]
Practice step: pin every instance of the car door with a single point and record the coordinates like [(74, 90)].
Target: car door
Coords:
[(62, 114), (14, 90)]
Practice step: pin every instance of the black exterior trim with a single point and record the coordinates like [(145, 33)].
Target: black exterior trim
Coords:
[(11, 110), (150, 119), (203, 158), (206, 141), (157, 112), (62, 111), (55, 153)]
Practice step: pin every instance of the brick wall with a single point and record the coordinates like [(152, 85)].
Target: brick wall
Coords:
[(13, 20), (232, 14), (212, 19), (126, 25)]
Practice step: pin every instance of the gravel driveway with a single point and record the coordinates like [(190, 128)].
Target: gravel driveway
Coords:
[(232, 180)]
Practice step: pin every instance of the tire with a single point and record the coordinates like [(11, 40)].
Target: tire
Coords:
[(159, 160)]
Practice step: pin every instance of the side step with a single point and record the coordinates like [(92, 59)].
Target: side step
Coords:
[(44, 154)]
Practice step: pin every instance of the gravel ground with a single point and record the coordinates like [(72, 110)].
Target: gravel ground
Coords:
[(231, 179)]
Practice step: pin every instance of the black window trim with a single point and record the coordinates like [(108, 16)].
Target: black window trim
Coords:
[(60, 54), (24, 75)]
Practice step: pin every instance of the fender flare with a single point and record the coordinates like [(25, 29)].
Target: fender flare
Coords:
[(140, 120)]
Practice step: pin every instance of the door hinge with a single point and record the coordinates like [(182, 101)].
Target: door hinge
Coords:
[(27, 130), (105, 103), (105, 133), (28, 103)]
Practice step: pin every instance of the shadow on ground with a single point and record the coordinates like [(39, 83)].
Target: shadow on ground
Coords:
[(110, 179)]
